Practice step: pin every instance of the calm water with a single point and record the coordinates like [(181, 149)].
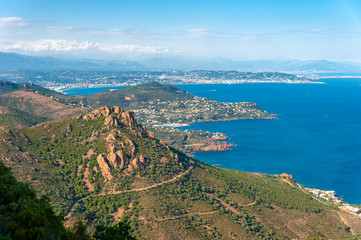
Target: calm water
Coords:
[(317, 137)]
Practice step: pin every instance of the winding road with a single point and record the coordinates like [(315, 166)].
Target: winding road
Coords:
[(71, 209)]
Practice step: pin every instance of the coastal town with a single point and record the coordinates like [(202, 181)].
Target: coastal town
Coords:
[(330, 196), (325, 196), (173, 113), (62, 80)]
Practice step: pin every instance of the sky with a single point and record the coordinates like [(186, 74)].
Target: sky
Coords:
[(136, 29)]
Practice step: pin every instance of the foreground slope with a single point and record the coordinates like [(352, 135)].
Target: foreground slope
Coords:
[(105, 166)]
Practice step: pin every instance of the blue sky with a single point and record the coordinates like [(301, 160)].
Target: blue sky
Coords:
[(238, 30)]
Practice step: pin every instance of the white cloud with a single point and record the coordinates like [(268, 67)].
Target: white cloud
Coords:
[(45, 45), (114, 48), (199, 32), (73, 45), (196, 30), (12, 21)]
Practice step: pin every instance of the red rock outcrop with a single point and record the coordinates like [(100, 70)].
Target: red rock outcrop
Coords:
[(138, 162), (103, 111), (215, 147), (131, 145), (104, 167), (128, 118), (287, 176), (111, 121)]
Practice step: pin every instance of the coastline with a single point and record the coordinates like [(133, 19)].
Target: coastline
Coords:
[(187, 124), (61, 89), (232, 119)]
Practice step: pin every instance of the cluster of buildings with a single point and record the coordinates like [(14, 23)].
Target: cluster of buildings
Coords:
[(331, 196), (199, 109), (60, 80)]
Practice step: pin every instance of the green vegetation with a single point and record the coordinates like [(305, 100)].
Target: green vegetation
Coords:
[(22, 214), (130, 97), (6, 87), (103, 168), (53, 157), (12, 117)]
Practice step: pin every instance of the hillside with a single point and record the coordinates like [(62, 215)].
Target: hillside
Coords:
[(27, 107), (134, 96), (159, 104), (6, 87), (105, 165), (12, 117), (27, 104), (38, 104)]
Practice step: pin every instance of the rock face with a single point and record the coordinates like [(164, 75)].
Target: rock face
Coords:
[(216, 147), (103, 111), (287, 176), (104, 167), (117, 159), (111, 121), (128, 119), (121, 131), (138, 162)]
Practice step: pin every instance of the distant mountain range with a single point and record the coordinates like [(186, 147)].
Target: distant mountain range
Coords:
[(15, 61)]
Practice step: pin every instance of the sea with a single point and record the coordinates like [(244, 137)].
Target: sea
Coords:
[(316, 138)]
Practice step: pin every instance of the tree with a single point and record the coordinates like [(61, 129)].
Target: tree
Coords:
[(120, 232)]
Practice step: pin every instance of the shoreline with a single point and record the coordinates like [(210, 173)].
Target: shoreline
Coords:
[(61, 89), (187, 124), (232, 119)]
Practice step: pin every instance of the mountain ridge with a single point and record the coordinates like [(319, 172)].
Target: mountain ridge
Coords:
[(17, 61)]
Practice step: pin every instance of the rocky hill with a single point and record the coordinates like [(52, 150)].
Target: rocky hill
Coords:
[(105, 166)]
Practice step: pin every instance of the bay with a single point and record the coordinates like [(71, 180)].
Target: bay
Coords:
[(316, 138)]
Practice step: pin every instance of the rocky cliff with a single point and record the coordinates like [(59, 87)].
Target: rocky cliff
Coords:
[(215, 146)]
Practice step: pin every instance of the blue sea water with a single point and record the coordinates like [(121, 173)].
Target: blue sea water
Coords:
[(316, 138)]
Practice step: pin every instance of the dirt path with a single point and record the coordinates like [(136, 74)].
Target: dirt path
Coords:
[(287, 181), (345, 222), (229, 207), (183, 215), (71, 209)]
